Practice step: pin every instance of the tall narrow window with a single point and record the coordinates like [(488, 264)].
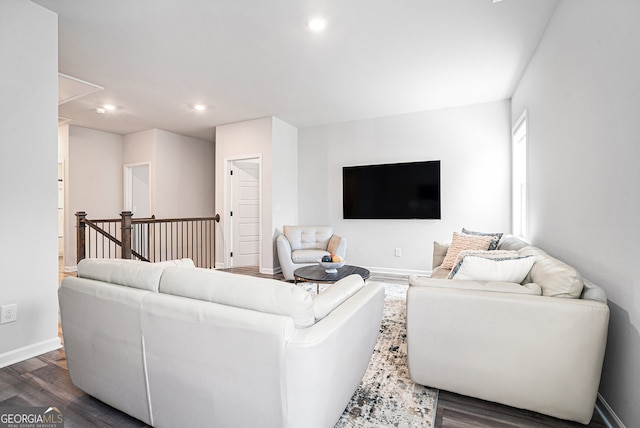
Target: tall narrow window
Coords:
[(519, 172)]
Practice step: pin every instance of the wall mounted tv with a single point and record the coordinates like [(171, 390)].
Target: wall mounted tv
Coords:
[(392, 191)]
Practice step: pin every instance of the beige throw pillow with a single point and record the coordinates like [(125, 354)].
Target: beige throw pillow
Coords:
[(462, 242)]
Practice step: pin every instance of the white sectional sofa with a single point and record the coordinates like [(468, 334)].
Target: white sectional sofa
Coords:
[(178, 346), (538, 345)]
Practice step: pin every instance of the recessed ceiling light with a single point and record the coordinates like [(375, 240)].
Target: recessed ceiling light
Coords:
[(317, 24), (100, 110), (109, 107), (200, 107)]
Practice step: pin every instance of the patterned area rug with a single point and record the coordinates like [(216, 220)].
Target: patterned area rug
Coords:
[(386, 396)]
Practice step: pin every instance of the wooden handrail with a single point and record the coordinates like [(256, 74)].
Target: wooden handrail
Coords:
[(94, 226), (170, 220)]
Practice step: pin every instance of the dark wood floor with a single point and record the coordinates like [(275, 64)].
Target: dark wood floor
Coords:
[(459, 411), (44, 381)]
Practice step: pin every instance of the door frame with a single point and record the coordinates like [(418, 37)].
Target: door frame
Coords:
[(128, 180), (228, 200), (61, 247)]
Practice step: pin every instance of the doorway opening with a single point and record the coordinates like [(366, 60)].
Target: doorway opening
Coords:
[(137, 192)]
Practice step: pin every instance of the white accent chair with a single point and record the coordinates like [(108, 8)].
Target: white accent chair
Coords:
[(300, 246)]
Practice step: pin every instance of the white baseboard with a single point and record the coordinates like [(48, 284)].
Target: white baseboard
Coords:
[(273, 271), (607, 414), (21, 354)]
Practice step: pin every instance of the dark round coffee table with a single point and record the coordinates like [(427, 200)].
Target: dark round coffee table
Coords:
[(317, 274)]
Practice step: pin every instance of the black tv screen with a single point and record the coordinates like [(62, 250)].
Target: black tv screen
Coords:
[(392, 191)]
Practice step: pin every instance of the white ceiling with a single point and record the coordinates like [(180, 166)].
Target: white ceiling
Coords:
[(247, 59)]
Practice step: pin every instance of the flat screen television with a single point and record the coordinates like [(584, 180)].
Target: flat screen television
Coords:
[(392, 191)]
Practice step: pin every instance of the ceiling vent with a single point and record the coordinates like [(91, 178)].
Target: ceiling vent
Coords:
[(63, 120), (71, 88)]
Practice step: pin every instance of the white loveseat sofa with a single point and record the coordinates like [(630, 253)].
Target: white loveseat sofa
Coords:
[(529, 346), (300, 246), (185, 347)]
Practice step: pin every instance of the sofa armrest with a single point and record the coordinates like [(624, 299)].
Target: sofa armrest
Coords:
[(283, 247), (337, 245), (534, 352), (335, 295), (326, 362)]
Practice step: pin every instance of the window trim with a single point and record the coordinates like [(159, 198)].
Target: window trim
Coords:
[(520, 202)]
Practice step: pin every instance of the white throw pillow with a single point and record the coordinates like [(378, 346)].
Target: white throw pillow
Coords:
[(487, 254), (483, 269)]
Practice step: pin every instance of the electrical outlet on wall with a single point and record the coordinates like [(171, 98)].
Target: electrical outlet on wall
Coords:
[(9, 313), (398, 252)]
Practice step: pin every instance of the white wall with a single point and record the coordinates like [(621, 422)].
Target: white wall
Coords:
[(473, 144), (95, 180), (184, 176), (28, 172), (235, 141), (285, 178), (583, 96), (274, 142), (138, 148)]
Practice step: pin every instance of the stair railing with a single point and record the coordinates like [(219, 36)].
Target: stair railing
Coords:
[(147, 239)]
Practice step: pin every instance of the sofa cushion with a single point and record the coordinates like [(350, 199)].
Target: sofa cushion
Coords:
[(337, 293), (130, 273), (439, 253), (593, 292), (188, 263), (440, 273), (464, 242), (240, 291), (307, 256), (556, 278), (493, 286), (494, 235), (308, 237), (486, 269), (511, 242)]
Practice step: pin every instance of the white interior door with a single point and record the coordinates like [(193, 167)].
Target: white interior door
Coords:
[(245, 203)]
